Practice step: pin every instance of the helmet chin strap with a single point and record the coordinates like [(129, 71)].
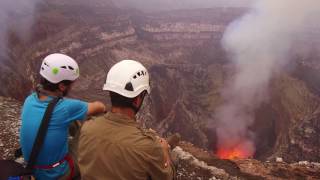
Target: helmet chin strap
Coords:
[(65, 92), (135, 108)]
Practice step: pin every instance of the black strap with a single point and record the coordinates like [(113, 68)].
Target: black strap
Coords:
[(37, 145)]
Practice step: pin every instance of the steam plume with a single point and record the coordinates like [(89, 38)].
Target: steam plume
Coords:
[(259, 44), (160, 5), (16, 15)]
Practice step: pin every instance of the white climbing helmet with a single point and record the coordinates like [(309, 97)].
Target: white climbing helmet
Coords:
[(58, 67), (128, 78)]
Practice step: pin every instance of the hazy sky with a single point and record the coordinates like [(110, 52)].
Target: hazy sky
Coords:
[(179, 4)]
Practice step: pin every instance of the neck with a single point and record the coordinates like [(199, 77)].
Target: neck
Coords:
[(44, 94), (126, 111)]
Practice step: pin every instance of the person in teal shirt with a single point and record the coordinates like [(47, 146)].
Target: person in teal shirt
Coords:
[(58, 72)]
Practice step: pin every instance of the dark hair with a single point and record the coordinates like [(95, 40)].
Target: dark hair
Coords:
[(53, 86), (118, 100)]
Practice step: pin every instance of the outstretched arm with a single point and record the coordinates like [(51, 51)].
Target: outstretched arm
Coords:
[(96, 107)]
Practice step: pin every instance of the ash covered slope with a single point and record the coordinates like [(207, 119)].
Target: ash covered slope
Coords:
[(188, 67)]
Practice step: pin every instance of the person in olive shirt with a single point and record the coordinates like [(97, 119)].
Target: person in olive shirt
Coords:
[(114, 146)]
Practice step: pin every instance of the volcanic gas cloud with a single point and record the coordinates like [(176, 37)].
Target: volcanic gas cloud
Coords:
[(259, 44)]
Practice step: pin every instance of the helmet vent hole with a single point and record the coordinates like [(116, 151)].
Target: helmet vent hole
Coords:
[(129, 86), (134, 77), (64, 67), (46, 64), (71, 68), (42, 68)]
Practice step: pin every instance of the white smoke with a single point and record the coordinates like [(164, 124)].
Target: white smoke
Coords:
[(164, 5), (15, 16), (259, 44)]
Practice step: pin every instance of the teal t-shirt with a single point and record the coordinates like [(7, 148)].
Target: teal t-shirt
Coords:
[(55, 145)]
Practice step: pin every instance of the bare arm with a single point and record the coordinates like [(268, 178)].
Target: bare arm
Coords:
[(96, 108)]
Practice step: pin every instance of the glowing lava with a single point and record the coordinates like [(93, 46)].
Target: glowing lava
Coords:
[(232, 154), (240, 148)]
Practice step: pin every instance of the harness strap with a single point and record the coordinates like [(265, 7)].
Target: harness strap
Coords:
[(71, 166), (50, 166)]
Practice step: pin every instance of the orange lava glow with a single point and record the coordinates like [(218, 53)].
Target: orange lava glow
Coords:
[(231, 154)]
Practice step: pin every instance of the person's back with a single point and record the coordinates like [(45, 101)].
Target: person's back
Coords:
[(121, 150), (52, 161), (55, 146), (113, 146)]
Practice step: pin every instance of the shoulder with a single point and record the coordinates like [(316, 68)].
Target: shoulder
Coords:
[(149, 142), (31, 97), (148, 150), (150, 134), (69, 101), (76, 109), (92, 124), (73, 104), (30, 101)]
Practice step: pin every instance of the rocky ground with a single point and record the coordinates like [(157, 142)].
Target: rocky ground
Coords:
[(192, 163), (9, 126), (195, 163)]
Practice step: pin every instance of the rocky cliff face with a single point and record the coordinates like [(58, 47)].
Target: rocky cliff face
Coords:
[(188, 70)]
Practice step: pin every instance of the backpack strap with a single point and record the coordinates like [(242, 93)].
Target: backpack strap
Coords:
[(41, 133)]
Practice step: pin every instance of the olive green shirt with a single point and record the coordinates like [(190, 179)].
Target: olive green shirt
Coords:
[(114, 147)]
